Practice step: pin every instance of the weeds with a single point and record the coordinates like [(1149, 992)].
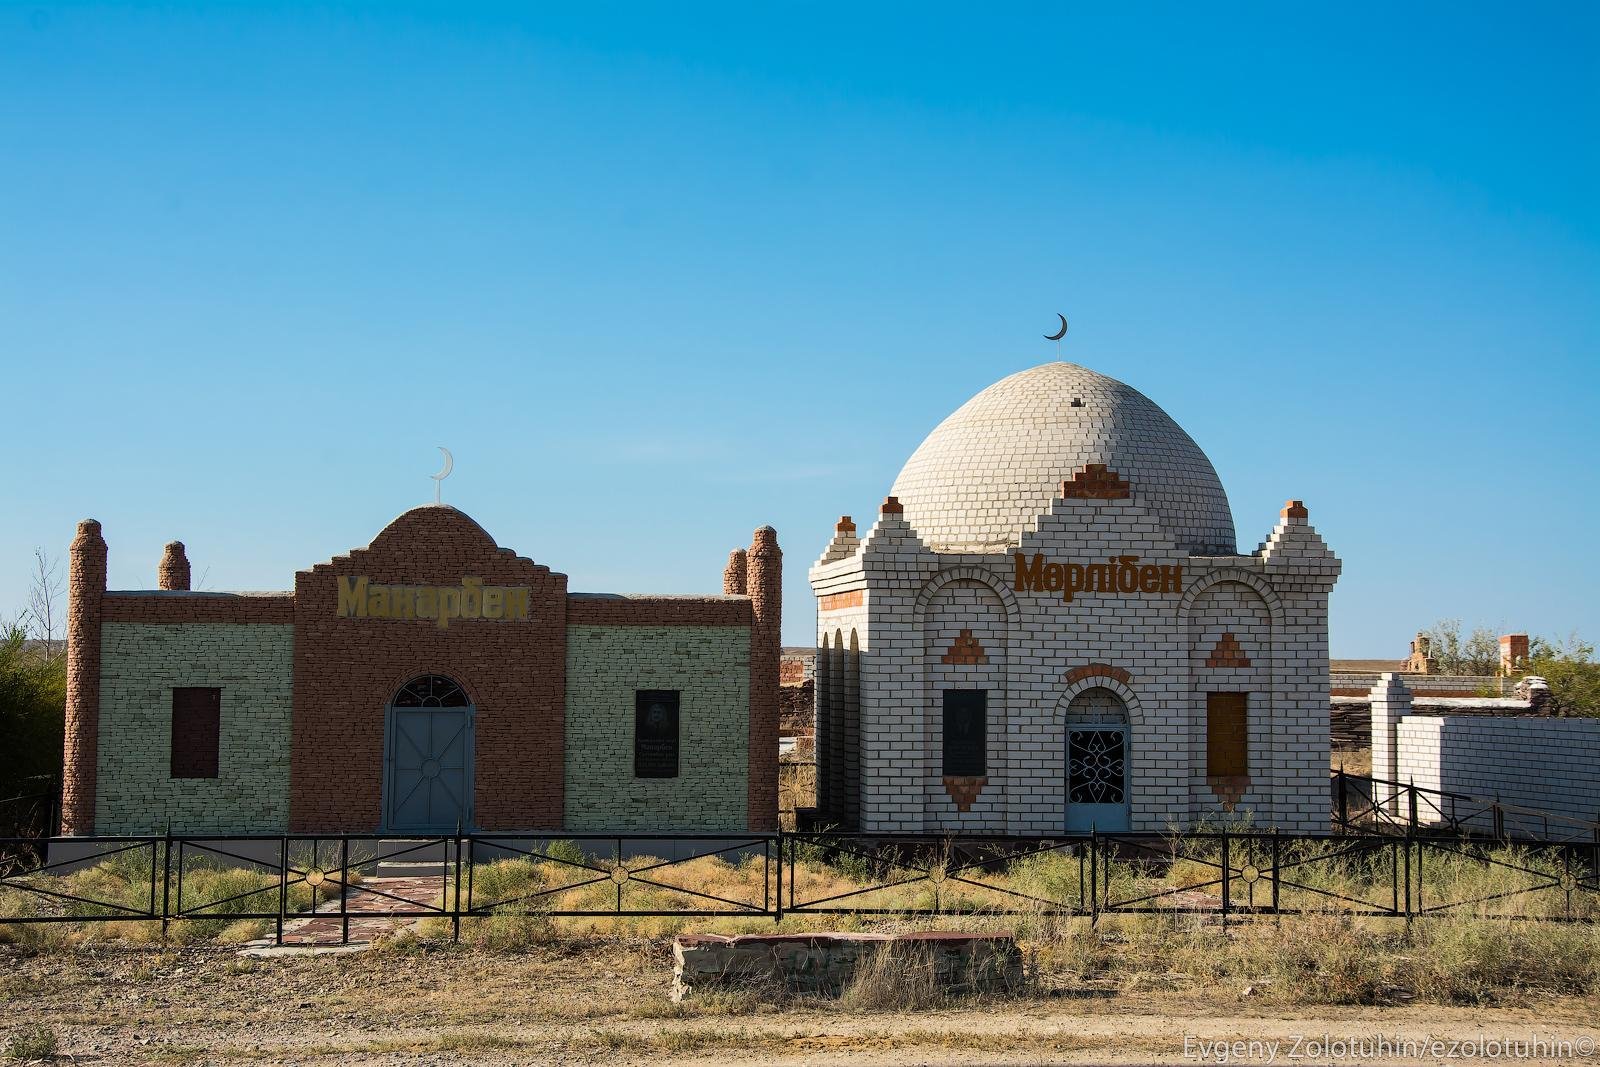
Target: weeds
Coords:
[(33, 1042)]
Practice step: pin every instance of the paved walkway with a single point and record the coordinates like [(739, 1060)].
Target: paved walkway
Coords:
[(371, 904)]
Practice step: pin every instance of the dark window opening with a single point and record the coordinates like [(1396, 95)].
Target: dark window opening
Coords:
[(432, 691), (655, 733), (966, 733), (1227, 735), (196, 731)]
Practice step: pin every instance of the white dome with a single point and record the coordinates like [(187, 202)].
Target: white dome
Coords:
[(989, 470)]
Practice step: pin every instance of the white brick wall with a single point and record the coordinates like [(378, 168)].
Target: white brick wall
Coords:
[(1550, 765), (916, 601)]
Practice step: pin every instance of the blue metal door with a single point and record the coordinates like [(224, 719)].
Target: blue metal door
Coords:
[(429, 786), (1097, 776)]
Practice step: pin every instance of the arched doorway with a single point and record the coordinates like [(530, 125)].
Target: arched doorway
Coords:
[(1097, 740), (428, 758)]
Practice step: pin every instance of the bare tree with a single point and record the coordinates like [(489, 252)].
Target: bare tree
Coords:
[(46, 615)]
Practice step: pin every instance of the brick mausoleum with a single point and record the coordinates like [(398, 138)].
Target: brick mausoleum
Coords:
[(429, 681), (1050, 628)]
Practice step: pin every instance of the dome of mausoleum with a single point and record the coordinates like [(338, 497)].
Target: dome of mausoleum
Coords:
[(989, 470)]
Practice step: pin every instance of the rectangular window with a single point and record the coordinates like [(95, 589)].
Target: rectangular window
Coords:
[(655, 733), (196, 731), (966, 733), (1227, 735)]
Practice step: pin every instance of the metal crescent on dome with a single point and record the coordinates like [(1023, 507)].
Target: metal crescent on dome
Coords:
[(438, 479), (1060, 334)]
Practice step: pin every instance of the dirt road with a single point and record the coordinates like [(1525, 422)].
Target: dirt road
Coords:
[(606, 1001)]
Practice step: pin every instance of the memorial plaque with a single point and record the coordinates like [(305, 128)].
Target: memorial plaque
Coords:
[(966, 732), (655, 733)]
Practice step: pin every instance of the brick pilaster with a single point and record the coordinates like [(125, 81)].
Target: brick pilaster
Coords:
[(86, 586), (764, 572)]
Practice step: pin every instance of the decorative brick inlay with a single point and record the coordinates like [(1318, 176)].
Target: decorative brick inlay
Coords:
[(1295, 509), (1097, 670), (174, 570), (1230, 789), (766, 652), (844, 526), (1095, 482), (966, 649), (891, 506), (964, 790), (86, 586), (840, 601), (1227, 653)]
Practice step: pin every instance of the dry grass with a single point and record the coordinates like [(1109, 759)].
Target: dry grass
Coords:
[(1353, 760)]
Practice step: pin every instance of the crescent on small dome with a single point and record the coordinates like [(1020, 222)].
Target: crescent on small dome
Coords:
[(1061, 333)]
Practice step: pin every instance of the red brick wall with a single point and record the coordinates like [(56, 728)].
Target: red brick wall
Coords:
[(346, 669)]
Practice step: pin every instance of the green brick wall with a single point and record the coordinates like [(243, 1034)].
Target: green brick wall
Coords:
[(711, 667), (140, 664)]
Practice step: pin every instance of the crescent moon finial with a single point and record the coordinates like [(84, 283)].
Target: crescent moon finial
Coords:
[(1059, 334), (438, 479)]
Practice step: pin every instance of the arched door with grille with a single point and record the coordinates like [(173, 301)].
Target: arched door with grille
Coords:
[(428, 759), (1097, 762)]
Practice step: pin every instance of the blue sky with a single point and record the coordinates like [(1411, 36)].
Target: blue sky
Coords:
[(659, 274)]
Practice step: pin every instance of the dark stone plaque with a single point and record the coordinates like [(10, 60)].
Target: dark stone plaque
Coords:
[(966, 732), (655, 733)]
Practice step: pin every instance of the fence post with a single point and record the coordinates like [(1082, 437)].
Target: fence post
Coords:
[(1406, 846), (166, 880), (1412, 815), (1094, 880), (455, 908), (1276, 876), (344, 889), (777, 916), (1226, 871), (283, 884), (1499, 820), (1344, 801)]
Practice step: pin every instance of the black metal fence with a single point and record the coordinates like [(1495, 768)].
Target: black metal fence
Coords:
[(314, 888), (1364, 804)]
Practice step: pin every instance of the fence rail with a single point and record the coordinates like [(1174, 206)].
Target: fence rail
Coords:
[(293, 881), (1362, 803)]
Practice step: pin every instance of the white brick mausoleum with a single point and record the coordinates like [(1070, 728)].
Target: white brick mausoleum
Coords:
[(1050, 628)]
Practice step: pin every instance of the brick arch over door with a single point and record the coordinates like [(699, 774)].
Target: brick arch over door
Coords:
[(1130, 699)]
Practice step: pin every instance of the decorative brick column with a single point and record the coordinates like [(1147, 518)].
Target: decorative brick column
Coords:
[(174, 570), (86, 586), (735, 581), (1391, 702), (764, 574), (826, 741)]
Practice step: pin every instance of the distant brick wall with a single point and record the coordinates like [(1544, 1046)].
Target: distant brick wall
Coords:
[(710, 666), (140, 666), (797, 713)]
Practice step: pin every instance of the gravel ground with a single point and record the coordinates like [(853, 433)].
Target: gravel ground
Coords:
[(581, 1002)]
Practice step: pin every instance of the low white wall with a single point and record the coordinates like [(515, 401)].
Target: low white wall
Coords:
[(1551, 765)]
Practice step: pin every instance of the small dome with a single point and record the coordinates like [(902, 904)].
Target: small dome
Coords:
[(989, 470)]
